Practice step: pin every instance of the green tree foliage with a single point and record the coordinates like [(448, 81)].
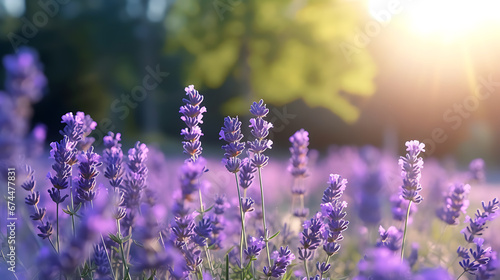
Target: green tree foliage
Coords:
[(280, 50)]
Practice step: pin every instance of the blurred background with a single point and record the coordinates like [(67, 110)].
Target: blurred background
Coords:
[(350, 72)]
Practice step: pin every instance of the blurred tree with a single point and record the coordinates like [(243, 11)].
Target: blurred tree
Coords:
[(280, 51)]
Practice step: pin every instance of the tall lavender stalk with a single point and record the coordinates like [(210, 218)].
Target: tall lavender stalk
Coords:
[(455, 203), (260, 130), (192, 116), (411, 166), (75, 138), (333, 209), (477, 258), (298, 168), (231, 133), (113, 159)]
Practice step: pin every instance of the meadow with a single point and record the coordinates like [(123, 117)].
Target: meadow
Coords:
[(72, 210)]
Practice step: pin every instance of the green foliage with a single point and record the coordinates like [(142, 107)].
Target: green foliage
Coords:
[(277, 50)]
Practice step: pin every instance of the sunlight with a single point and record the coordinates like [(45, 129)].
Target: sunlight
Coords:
[(444, 18), (452, 17)]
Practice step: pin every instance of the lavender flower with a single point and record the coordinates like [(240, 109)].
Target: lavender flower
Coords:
[(191, 172), (135, 179), (412, 260), (317, 277), (433, 274), (369, 206), (182, 229), (45, 230), (24, 85), (247, 171), (101, 261), (192, 116), (64, 155), (487, 271), (89, 162), (301, 213), (477, 257), (476, 170), (411, 166), (117, 200), (218, 222), (74, 127), (381, 263), (24, 74), (477, 225), (334, 213), (203, 231), (332, 209), (113, 158), (335, 189), (254, 249), (322, 267), (30, 183), (193, 258), (390, 238), (282, 259), (33, 198), (310, 238), (55, 195), (455, 203), (220, 204), (399, 207), (247, 204), (298, 168), (231, 133), (472, 260), (260, 130), (88, 126), (94, 223), (298, 160)]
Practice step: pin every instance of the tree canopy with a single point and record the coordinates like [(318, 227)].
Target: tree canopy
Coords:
[(280, 51)]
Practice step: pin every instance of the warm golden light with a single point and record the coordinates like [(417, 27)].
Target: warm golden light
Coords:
[(443, 18), (452, 18)]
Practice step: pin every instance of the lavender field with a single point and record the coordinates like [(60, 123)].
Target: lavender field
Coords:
[(86, 208)]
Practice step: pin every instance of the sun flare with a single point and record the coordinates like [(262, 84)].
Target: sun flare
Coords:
[(449, 18)]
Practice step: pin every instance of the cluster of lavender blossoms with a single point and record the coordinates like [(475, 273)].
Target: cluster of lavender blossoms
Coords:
[(115, 230), (475, 261), (455, 203), (411, 166), (326, 227), (192, 117)]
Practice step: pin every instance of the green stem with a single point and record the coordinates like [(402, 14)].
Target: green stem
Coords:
[(440, 251), (202, 211), (305, 267), (264, 217), (243, 232), (207, 252), (107, 255), (461, 275), (125, 268), (57, 227), (404, 233), (129, 242), (72, 203)]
